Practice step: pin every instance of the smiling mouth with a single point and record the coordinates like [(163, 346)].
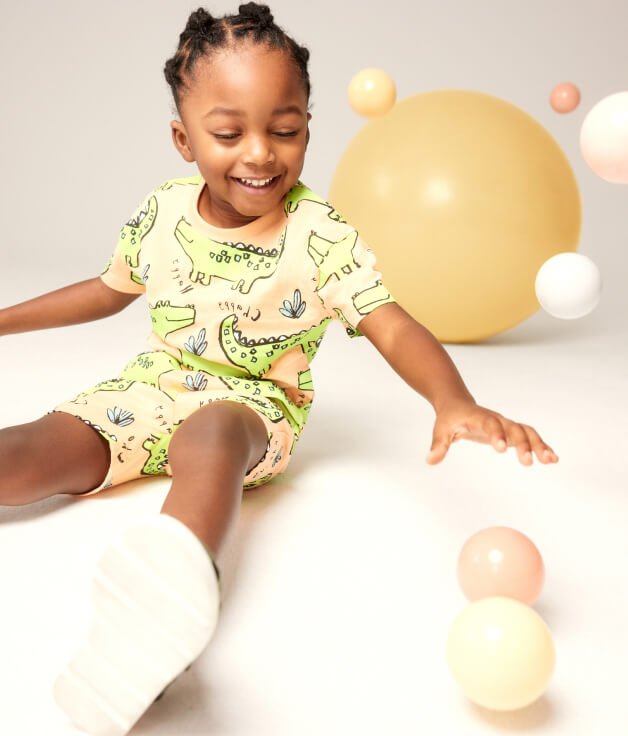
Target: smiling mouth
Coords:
[(258, 184)]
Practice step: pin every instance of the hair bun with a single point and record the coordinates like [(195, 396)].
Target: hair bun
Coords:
[(199, 21), (259, 13)]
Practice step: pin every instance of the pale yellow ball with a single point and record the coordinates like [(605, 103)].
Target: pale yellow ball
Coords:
[(462, 197), (372, 92), (501, 653)]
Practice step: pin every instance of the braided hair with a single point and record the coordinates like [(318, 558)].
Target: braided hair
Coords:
[(204, 34)]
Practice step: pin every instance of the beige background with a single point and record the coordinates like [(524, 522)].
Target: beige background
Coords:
[(84, 100), (341, 576)]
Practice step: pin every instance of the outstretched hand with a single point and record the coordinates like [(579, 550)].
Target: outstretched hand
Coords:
[(468, 421)]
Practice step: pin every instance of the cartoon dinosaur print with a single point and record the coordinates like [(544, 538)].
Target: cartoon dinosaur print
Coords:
[(274, 414), (257, 481), (257, 356), (117, 384), (277, 458), (135, 230), (157, 447), (251, 389), (192, 180), (300, 193), (197, 363), (240, 380), (236, 262), (305, 380), (167, 318), (109, 437), (107, 266), (366, 301), (350, 330), (332, 258), (150, 367), (136, 279)]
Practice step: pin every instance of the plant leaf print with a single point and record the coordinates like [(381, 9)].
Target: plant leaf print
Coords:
[(197, 344), (198, 383), (295, 310), (120, 417)]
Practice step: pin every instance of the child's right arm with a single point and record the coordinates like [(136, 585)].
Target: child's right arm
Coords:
[(81, 302)]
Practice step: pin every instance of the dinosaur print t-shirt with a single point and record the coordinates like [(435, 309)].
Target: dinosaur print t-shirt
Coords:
[(246, 303)]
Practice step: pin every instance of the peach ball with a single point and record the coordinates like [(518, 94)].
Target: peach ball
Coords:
[(565, 97), (500, 561), (372, 92)]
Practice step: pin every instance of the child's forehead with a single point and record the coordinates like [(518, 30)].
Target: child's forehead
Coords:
[(242, 68), (256, 85)]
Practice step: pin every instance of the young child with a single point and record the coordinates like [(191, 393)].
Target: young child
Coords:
[(243, 268)]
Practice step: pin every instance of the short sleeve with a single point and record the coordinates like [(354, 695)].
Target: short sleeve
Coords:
[(123, 271), (349, 284)]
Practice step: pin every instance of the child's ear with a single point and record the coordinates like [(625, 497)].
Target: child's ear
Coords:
[(180, 140), (307, 137)]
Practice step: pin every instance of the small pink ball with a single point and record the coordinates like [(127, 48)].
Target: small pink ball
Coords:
[(500, 561), (565, 97)]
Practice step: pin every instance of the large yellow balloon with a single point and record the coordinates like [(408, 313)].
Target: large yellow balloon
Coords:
[(463, 197), (501, 653)]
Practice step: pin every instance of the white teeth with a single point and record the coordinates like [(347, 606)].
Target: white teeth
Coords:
[(257, 182)]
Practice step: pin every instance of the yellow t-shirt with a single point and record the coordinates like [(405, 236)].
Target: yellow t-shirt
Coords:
[(245, 302)]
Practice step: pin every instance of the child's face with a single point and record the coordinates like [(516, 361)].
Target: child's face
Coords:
[(257, 82)]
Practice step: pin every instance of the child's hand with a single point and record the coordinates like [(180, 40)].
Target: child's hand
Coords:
[(468, 421)]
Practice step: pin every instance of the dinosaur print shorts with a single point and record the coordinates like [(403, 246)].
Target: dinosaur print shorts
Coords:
[(138, 412)]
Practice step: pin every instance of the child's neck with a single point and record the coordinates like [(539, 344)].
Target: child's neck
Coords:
[(215, 218)]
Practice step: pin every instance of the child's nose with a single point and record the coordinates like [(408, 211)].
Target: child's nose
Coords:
[(259, 152)]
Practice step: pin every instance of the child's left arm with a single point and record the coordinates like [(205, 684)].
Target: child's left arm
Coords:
[(417, 356)]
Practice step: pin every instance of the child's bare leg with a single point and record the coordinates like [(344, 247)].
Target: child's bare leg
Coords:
[(209, 455), (57, 453), (156, 596)]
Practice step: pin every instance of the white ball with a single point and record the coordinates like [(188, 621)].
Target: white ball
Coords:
[(568, 285), (604, 138)]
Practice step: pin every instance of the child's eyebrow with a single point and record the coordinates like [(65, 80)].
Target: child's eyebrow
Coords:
[(241, 113)]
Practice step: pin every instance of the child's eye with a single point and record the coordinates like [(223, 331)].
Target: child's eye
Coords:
[(231, 136)]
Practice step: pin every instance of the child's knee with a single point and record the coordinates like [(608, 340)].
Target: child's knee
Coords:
[(65, 453), (221, 428)]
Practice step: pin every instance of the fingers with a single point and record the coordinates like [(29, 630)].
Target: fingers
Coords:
[(518, 439), (440, 446), (527, 442), (496, 432), (503, 433), (494, 429), (543, 451)]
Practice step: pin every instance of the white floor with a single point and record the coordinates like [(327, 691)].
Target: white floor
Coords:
[(340, 577)]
